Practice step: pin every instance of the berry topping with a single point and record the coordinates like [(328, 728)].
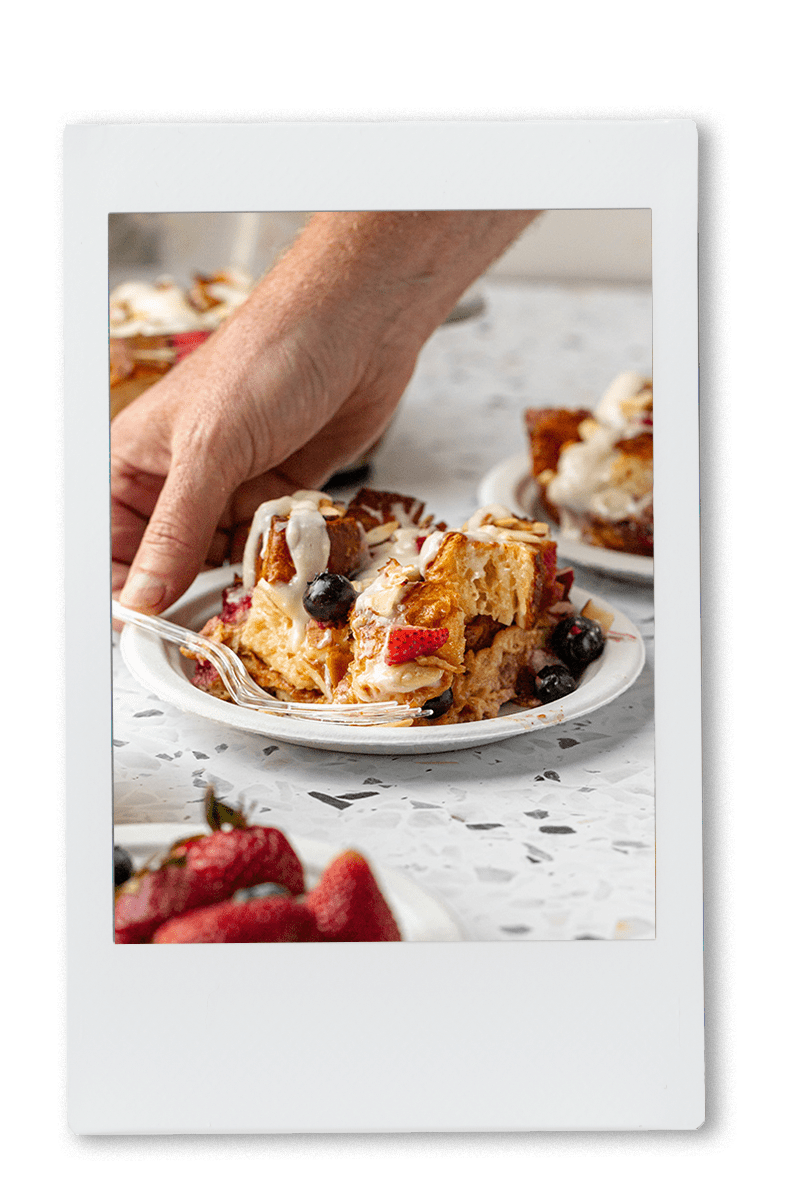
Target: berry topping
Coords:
[(407, 642), (578, 641), (205, 676), (123, 865), (236, 603), (435, 708), (551, 683), (329, 598)]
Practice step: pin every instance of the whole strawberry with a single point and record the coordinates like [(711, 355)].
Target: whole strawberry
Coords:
[(407, 642), (230, 859), (273, 919), (347, 904), (206, 870), (150, 897)]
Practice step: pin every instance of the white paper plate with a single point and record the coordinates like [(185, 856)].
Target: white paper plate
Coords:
[(511, 484), (420, 917), (161, 668)]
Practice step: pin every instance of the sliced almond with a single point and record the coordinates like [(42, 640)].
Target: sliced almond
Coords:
[(525, 535), (506, 522), (593, 612), (381, 533), (384, 602)]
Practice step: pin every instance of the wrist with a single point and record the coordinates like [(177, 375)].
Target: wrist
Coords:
[(381, 278)]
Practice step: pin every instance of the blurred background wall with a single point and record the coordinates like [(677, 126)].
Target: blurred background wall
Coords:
[(602, 245)]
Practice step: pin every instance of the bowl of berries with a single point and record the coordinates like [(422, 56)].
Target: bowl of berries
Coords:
[(231, 880)]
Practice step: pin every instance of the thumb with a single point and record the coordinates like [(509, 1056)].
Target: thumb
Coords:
[(177, 537)]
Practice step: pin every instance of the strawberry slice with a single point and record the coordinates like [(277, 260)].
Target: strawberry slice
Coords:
[(347, 904), (407, 642), (205, 676), (271, 919)]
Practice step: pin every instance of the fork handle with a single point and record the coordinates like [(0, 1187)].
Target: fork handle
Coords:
[(203, 646), (165, 629)]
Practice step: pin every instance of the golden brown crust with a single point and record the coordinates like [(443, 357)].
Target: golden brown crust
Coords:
[(373, 508), (276, 564), (550, 430), (348, 551), (136, 363)]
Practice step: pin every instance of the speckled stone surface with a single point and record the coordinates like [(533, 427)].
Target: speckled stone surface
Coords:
[(548, 836)]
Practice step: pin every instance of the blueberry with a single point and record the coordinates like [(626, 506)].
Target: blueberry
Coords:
[(260, 891), (435, 708), (551, 683), (123, 865), (578, 641), (329, 598)]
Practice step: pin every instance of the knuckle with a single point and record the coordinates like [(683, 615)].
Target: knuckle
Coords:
[(165, 536)]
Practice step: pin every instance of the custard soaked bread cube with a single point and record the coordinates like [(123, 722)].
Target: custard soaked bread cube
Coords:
[(499, 579), (378, 603), (503, 571)]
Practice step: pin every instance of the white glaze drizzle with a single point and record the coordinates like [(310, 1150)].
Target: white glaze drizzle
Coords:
[(261, 524)]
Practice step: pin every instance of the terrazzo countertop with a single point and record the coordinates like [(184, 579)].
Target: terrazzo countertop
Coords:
[(546, 836)]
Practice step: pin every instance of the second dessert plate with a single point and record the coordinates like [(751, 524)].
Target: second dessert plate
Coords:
[(160, 667)]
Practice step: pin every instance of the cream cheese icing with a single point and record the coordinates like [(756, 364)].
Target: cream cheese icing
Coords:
[(584, 481)]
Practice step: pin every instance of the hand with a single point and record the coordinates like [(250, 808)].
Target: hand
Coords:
[(240, 421), (303, 378)]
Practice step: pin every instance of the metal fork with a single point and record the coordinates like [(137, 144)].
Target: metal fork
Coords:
[(247, 693)]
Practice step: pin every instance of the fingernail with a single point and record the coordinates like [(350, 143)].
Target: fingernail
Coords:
[(143, 591)]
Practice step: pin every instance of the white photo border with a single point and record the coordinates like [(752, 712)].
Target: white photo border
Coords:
[(587, 1035)]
